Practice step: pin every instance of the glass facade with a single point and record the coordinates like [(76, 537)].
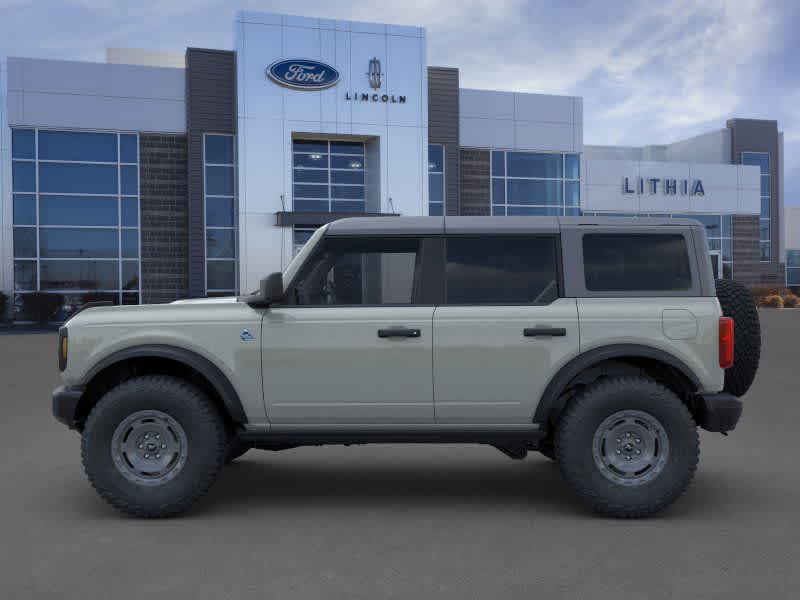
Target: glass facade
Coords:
[(75, 217), (718, 232), (435, 180), (327, 176), (793, 267), (535, 183), (761, 160), (219, 158)]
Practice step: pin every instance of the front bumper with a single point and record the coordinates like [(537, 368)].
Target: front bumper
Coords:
[(65, 405), (717, 412)]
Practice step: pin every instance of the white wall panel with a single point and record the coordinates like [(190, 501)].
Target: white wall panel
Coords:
[(486, 133), (363, 47), (405, 79), (486, 104), (539, 135)]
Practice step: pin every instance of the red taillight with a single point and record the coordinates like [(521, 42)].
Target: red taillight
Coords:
[(725, 342)]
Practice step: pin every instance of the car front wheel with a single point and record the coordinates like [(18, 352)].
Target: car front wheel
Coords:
[(153, 445)]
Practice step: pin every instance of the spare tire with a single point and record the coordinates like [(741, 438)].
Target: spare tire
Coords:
[(737, 303)]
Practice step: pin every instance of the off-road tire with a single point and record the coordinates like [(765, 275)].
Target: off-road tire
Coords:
[(585, 414), (547, 449), (206, 446), (737, 303)]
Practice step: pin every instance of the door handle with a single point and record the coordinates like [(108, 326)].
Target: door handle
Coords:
[(401, 332), (544, 332)]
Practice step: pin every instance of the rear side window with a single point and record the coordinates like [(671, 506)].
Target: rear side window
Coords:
[(501, 270), (641, 262)]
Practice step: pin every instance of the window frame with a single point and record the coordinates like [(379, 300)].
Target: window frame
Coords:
[(234, 227), (559, 272), (420, 278)]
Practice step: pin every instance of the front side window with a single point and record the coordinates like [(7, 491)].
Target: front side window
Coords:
[(358, 271), (636, 262), (501, 270)]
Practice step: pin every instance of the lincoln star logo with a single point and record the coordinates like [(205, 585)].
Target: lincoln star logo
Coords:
[(303, 74), (374, 74)]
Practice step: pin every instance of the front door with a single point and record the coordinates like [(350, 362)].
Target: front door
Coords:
[(502, 331), (351, 345)]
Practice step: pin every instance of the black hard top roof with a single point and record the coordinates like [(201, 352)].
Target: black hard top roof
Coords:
[(498, 225)]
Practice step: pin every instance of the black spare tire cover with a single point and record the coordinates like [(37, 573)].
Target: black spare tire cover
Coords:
[(737, 303)]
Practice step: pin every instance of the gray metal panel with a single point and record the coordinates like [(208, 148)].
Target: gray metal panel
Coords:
[(572, 256), (626, 222), (210, 108), (501, 225), (387, 226), (443, 128)]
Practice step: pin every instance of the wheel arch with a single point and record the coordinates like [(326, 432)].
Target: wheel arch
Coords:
[(165, 359), (615, 359)]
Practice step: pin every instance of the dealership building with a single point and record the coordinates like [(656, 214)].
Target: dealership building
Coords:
[(156, 176)]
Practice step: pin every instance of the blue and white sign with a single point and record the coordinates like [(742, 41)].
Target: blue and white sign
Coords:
[(303, 74)]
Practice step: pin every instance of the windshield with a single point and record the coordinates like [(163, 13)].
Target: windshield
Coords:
[(301, 257)]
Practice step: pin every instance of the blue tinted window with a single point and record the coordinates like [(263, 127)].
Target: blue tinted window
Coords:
[(25, 275), (765, 185), (80, 275), (727, 249), (498, 163), (347, 192), (77, 210), (572, 189), (73, 145), (347, 148), (219, 181), (343, 162), (319, 161), (313, 175), (311, 205), (221, 274), (530, 164), (572, 211), (498, 191), (310, 191), (499, 211), (25, 242), (310, 146), (219, 212), (536, 211), (355, 177), (793, 258), (219, 149), (764, 207), (78, 179), (436, 187), (24, 209), (220, 243), (23, 143), (78, 243), (130, 212), (711, 223), (130, 275), (726, 225), (23, 176), (521, 191), (759, 159), (129, 180), (436, 209), (128, 149), (130, 243), (573, 166), (435, 158), (353, 206)]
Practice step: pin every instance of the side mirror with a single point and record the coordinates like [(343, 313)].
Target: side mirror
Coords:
[(271, 288), (270, 291)]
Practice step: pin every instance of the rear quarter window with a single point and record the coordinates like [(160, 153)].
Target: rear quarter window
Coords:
[(636, 262)]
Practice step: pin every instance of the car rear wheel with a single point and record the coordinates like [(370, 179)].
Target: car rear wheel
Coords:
[(153, 445), (628, 446)]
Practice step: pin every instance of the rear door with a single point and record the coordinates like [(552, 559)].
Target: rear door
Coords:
[(502, 330)]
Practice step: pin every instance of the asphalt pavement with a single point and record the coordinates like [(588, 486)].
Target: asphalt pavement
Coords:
[(405, 522)]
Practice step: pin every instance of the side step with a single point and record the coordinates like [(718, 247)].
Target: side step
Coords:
[(505, 436)]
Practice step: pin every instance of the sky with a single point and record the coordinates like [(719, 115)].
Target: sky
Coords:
[(649, 72)]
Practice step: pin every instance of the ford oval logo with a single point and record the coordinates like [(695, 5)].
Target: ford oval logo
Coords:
[(303, 74)]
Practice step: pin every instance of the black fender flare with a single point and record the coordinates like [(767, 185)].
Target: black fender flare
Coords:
[(202, 365), (580, 363)]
